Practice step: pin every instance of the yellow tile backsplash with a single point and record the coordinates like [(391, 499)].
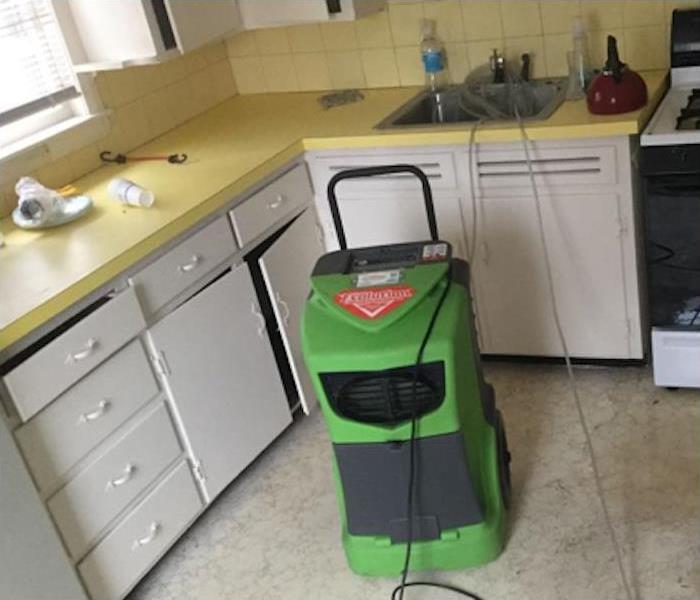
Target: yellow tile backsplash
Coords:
[(520, 18), (381, 50), (380, 67), (405, 23), (339, 36), (145, 102), (345, 69), (482, 20), (557, 15), (305, 38), (312, 71), (374, 31), (272, 41), (447, 15)]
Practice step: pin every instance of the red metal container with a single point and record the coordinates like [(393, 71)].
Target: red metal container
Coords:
[(618, 89)]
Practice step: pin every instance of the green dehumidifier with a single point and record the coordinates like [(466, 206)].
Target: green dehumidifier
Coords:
[(420, 452)]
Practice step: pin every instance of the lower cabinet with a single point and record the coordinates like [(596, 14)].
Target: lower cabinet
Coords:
[(125, 460), (86, 504), (512, 298), (33, 564), (130, 549), (223, 377), (287, 267), (395, 216), (486, 210)]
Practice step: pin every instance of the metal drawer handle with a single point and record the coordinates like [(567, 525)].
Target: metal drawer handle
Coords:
[(277, 202), (190, 266), (90, 347), (101, 409), (117, 481), (152, 533), (285, 307), (263, 326)]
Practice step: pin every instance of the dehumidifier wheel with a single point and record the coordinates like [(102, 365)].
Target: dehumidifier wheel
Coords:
[(503, 459)]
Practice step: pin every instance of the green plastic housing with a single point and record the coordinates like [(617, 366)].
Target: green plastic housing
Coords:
[(334, 340)]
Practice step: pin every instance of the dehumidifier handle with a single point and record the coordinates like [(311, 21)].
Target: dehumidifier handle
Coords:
[(371, 172)]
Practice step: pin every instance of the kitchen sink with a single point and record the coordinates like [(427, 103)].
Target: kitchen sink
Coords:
[(469, 103)]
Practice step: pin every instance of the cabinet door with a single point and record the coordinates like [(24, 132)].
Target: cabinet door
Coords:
[(33, 564), (395, 216), (223, 377), (287, 267), (269, 13), (196, 23), (515, 311)]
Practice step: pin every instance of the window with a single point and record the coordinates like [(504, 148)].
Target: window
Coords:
[(39, 88)]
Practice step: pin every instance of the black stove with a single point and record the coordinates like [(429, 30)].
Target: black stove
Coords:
[(670, 166)]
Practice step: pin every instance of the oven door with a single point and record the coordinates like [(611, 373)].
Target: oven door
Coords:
[(673, 251)]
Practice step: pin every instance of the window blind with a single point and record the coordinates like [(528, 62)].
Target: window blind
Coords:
[(35, 70)]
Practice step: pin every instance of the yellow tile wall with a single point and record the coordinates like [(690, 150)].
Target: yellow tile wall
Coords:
[(381, 50), (145, 102)]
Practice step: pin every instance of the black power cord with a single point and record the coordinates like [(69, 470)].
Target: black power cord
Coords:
[(398, 592)]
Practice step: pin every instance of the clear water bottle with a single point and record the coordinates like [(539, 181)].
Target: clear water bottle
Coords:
[(433, 56)]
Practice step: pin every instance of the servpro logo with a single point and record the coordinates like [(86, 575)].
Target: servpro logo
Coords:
[(373, 303)]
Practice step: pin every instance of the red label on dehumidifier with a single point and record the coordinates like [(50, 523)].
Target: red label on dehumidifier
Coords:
[(373, 303)]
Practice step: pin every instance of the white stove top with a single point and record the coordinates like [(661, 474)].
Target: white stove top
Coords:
[(661, 129)]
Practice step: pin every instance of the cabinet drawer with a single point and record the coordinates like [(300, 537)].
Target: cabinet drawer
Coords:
[(57, 438), (173, 272), (98, 494), (264, 208), (553, 167), (74, 353), (439, 168), (120, 560)]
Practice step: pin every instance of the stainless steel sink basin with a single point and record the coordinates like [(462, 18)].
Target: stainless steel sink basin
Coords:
[(453, 105)]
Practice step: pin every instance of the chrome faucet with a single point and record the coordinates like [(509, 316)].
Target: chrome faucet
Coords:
[(498, 66)]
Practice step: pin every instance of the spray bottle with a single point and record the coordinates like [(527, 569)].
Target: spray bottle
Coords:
[(580, 72), (433, 56)]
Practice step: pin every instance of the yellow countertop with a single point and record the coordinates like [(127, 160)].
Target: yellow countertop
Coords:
[(231, 147)]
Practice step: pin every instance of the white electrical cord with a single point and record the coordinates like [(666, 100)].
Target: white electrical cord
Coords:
[(471, 251), (570, 372)]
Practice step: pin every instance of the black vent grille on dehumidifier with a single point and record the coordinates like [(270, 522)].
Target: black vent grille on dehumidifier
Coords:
[(386, 397)]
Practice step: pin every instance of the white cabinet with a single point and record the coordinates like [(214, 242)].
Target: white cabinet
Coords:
[(513, 301), (198, 22), (223, 377), (271, 13), (125, 554), (130, 32), (590, 212), (278, 200), (287, 267), (58, 364), (33, 563), (393, 217), (388, 209), (183, 266)]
